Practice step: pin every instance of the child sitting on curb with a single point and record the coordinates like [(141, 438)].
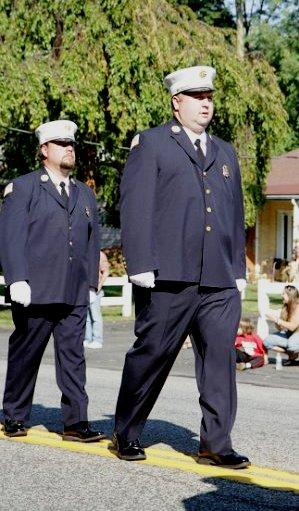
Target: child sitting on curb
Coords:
[(249, 347)]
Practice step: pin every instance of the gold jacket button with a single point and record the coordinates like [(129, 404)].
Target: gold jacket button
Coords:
[(209, 210), (208, 191), (208, 228)]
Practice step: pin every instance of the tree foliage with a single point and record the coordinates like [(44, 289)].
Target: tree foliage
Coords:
[(278, 42), (102, 64), (212, 12)]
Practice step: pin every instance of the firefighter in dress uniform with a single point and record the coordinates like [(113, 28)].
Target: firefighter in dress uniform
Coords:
[(184, 244), (49, 239)]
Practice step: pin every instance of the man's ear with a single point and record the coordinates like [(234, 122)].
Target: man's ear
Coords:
[(175, 102), (44, 150)]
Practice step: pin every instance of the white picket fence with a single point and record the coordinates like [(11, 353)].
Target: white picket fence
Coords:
[(2, 282), (124, 300)]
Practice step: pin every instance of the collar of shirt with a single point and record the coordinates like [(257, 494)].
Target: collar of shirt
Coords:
[(56, 180), (195, 136)]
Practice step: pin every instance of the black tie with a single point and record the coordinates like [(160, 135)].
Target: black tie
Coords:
[(199, 148), (64, 195), (200, 151)]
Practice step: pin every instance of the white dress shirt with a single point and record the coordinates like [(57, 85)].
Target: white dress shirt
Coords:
[(56, 180), (195, 136)]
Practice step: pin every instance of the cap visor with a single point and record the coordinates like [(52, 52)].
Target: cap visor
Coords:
[(195, 89), (66, 140)]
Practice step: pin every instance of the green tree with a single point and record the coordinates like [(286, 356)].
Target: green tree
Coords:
[(278, 42), (270, 28), (212, 12), (102, 63)]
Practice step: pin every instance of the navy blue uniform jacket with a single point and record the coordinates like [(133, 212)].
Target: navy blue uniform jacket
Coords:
[(55, 249), (180, 217)]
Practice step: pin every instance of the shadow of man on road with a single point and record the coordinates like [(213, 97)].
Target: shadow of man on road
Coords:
[(156, 432), (227, 495)]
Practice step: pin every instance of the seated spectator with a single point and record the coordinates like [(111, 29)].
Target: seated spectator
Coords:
[(286, 338), (292, 270), (249, 347)]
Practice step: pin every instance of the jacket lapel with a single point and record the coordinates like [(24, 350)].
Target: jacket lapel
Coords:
[(48, 185), (212, 151), (180, 136), (74, 193)]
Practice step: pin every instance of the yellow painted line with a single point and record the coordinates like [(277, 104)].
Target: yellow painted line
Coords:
[(167, 458)]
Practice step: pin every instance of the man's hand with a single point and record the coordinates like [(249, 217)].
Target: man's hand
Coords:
[(146, 279), (92, 295), (241, 284), (20, 292)]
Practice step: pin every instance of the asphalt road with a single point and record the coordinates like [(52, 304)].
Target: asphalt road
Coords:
[(46, 475)]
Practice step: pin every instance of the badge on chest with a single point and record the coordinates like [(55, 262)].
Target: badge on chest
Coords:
[(87, 211), (226, 171)]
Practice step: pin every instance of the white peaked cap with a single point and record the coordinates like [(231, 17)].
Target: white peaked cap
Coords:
[(193, 79), (56, 130)]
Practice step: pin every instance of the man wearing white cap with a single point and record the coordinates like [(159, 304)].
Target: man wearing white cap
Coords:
[(49, 238), (184, 245)]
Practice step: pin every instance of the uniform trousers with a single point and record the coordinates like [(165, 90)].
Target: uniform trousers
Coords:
[(166, 314), (33, 327)]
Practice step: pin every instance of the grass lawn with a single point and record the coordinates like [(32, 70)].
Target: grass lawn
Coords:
[(249, 304), (5, 317)]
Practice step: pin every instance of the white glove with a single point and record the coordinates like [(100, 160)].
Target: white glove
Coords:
[(92, 295), (20, 292), (241, 284), (146, 279)]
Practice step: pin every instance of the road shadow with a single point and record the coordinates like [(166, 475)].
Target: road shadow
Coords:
[(155, 432), (229, 495), (50, 418)]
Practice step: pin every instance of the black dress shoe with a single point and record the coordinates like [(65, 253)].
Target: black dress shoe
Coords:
[(129, 451), (232, 460), (81, 432), (14, 428)]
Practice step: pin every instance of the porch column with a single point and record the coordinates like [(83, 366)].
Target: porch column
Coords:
[(256, 246), (295, 203)]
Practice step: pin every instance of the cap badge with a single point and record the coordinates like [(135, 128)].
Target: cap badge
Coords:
[(202, 74), (87, 212), (225, 171), (175, 129), (44, 178)]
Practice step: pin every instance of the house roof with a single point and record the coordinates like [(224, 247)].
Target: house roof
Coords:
[(283, 178)]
